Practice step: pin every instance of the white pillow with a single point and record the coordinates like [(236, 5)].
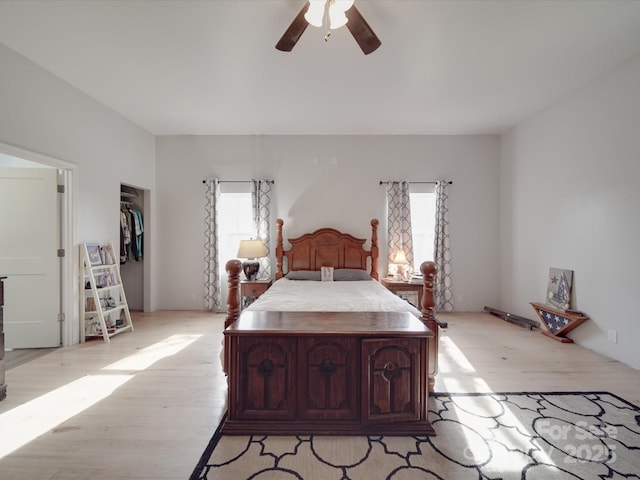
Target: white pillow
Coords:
[(326, 274)]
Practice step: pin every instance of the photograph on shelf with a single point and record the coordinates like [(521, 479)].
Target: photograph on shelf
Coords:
[(90, 305), (106, 256), (95, 255), (92, 326), (106, 280)]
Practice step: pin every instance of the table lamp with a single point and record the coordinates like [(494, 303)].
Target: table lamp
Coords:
[(400, 260), (250, 250)]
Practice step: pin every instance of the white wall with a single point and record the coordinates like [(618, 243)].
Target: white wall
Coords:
[(43, 114), (345, 196), (570, 192)]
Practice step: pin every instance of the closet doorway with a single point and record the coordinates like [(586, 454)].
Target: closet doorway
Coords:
[(134, 261)]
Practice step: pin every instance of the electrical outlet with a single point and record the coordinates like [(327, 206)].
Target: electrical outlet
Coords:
[(613, 336)]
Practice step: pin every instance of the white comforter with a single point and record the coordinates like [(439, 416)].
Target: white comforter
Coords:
[(313, 296)]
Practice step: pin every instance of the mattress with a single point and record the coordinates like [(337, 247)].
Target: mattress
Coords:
[(339, 296)]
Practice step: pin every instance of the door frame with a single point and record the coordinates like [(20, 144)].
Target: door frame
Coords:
[(69, 266)]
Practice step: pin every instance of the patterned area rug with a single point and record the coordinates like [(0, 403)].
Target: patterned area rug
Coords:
[(592, 435)]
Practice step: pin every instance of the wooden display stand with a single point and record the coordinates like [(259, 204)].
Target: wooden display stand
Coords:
[(558, 322), (104, 311)]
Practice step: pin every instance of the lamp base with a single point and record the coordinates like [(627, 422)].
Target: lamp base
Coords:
[(250, 269), (399, 272)]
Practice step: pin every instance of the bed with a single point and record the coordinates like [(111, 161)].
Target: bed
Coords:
[(344, 356)]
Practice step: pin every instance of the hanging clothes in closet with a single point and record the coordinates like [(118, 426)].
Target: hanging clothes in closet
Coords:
[(131, 233)]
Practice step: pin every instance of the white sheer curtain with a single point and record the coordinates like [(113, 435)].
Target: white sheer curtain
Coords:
[(442, 250), (399, 220), (261, 204), (212, 294)]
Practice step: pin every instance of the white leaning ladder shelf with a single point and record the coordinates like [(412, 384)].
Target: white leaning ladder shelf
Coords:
[(104, 311)]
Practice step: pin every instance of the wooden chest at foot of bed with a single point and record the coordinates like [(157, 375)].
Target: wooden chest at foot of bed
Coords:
[(328, 373)]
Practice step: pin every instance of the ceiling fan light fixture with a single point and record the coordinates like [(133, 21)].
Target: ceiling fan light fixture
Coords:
[(333, 14), (337, 18), (315, 13)]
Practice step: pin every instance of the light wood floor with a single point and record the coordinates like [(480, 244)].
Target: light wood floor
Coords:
[(147, 403)]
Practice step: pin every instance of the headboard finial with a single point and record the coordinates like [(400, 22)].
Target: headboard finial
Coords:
[(374, 248)]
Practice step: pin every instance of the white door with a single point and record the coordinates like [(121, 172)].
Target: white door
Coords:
[(29, 241)]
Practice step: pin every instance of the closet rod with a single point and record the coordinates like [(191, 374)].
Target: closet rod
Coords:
[(240, 181), (387, 182)]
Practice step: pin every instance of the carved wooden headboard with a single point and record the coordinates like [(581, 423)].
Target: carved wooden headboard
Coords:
[(327, 247)]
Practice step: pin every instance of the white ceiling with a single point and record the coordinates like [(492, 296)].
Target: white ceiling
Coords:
[(210, 66)]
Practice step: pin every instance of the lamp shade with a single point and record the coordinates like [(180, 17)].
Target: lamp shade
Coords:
[(400, 258), (317, 8), (252, 249), (337, 18)]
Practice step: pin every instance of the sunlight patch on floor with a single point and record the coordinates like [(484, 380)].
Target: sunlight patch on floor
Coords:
[(452, 359), (148, 356), (22, 424), (30, 420)]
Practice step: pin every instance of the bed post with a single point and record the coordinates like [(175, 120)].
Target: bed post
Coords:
[(374, 249), (279, 249), (233, 267), (429, 271)]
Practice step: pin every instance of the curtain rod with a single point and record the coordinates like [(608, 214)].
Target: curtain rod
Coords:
[(387, 182), (241, 181)]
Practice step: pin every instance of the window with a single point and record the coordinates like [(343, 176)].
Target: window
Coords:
[(235, 223), (423, 221)]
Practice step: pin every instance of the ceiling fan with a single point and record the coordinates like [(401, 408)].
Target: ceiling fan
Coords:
[(334, 13)]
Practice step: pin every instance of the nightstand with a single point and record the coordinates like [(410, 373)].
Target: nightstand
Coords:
[(252, 289), (410, 292)]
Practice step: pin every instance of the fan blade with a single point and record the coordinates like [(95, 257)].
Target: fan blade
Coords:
[(361, 31), (294, 32)]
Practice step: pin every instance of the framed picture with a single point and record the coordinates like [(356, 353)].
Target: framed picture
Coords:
[(91, 305), (559, 288), (95, 256)]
